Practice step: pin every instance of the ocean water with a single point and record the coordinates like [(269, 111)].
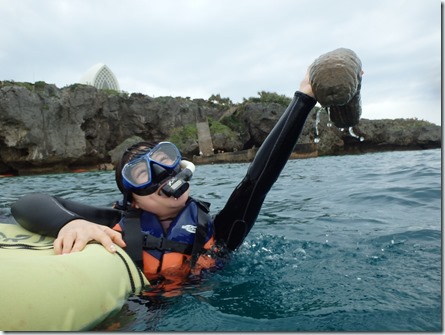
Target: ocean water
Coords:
[(344, 243)]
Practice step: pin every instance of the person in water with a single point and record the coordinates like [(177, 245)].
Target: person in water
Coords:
[(168, 233)]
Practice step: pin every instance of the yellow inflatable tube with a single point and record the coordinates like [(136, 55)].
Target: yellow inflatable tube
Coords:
[(41, 291)]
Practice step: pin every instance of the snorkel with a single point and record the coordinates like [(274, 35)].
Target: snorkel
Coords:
[(178, 185)]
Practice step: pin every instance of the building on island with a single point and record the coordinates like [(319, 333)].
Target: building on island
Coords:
[(101, 77)]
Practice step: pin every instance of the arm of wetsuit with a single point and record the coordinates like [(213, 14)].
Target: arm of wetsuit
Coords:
[(235, 220), (46, 215)]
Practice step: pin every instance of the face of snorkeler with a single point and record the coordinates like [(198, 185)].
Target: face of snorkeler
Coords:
[(159, 204)]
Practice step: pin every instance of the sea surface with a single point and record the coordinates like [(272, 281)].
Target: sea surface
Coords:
[(344, 243)]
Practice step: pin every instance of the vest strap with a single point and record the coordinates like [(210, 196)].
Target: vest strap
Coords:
[(132, 236), (137, 240), (163, 244), (201, 231)]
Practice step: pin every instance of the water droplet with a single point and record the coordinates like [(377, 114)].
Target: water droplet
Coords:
[(351, 132), (317, 121)]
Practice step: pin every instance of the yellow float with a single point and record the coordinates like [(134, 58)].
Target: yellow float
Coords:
[(42, 291)]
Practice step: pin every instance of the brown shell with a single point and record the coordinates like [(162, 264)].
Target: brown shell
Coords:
[(335, 77)]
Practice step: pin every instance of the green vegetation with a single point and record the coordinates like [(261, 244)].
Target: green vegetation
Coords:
[(26, 85), (234, 123), (217, 127), (415, 122), (408, 124), (182, 135), (109, 91), (39, 85), (269, 97), (216, 99), (75, 86)]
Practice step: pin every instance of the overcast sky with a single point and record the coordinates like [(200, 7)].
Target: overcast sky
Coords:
[(235, 48)]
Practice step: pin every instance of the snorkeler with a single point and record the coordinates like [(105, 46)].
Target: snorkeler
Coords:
[(168, 233)]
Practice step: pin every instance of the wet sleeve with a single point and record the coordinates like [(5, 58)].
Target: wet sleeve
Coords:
[(45, 214), (235, 220)]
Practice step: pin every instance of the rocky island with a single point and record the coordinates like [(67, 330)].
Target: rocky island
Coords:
[(45, 129)]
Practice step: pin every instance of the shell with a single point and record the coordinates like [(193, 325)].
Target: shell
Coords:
[(335, 77)]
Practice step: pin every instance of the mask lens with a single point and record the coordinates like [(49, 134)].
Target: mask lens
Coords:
[(137, 173), (165, 154), (144, 174)]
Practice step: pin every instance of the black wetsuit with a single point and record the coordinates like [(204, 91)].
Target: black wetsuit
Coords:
[(46, 215)]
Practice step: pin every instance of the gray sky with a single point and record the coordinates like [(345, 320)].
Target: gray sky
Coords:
[(234, 48)]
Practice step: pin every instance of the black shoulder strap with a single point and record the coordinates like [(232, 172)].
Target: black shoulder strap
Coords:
[(132, 235), (201, 230)]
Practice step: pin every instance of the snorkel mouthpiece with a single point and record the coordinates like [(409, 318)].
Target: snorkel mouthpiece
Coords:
[(178, 185), (175, 187)]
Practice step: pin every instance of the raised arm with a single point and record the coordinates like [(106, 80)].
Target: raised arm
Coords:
[(236, 219)]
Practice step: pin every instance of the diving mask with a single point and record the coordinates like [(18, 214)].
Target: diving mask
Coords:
[(145, 174)]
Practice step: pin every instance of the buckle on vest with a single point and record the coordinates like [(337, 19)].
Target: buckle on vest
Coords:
[(164, 244), (153, 242), (161, 244)]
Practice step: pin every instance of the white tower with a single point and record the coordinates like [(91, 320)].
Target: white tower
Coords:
[(101, 77)]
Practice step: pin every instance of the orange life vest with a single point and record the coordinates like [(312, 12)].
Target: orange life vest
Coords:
[(187, 248)]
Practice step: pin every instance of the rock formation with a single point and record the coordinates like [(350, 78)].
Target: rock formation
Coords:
[(44, 129)]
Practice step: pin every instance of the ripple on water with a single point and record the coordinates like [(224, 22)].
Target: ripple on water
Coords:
[(346, 243)]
